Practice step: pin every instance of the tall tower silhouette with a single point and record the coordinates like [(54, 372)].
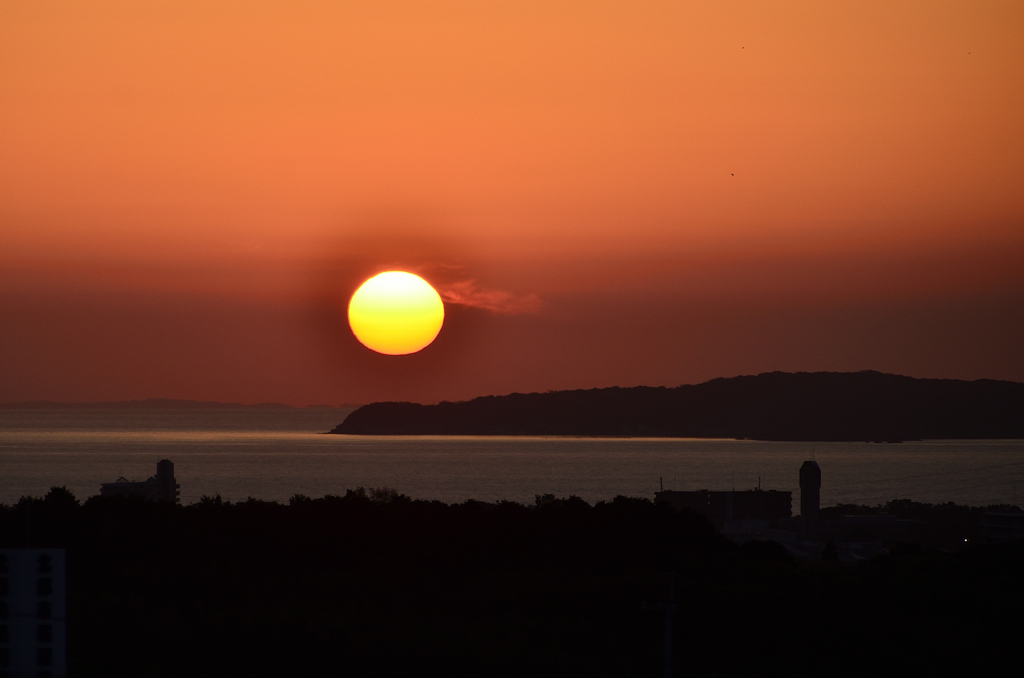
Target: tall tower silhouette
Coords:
[(168, 486), (810, 499)]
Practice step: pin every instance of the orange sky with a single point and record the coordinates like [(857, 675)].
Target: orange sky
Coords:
[(616, 193)]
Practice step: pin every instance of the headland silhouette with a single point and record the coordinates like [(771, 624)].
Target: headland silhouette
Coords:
[(820, 406)]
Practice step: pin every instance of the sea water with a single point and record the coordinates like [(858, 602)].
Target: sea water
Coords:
[(274, 454)]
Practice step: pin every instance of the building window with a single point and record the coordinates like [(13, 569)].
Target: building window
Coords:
[(3, 564), (4, 634), (45, 633), (3, 609), (44, 656), (45, 609), (3, 586), (45, 564), (44, 586)]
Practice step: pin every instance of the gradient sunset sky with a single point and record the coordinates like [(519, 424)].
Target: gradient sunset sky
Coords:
[(604, 193)]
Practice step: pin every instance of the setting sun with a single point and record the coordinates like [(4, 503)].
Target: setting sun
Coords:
[(396, 313)]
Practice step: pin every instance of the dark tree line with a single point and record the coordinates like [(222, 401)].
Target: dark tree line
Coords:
[(374, 582)]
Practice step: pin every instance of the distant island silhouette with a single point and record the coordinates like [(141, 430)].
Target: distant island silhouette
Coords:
[(803, 406)]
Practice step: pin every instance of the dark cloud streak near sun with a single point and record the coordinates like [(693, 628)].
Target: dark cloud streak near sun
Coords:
[(468, 293)]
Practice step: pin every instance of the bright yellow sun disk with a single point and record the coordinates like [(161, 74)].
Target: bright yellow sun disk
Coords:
[(396, 313)]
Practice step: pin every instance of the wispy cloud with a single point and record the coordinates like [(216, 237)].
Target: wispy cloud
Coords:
[(467, 293)]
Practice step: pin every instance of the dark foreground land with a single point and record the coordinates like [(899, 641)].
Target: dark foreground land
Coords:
[(376, 584), (825, 406)]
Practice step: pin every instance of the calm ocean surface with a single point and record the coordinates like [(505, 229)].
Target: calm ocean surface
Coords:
[(276, 453)]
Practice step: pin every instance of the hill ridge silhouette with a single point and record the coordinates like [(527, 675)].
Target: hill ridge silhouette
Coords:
[(801, 406)]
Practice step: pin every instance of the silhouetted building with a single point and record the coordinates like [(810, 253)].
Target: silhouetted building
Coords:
[(1003, 525), (810, 500), (33, 625), (161, 487), (767, 506)]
